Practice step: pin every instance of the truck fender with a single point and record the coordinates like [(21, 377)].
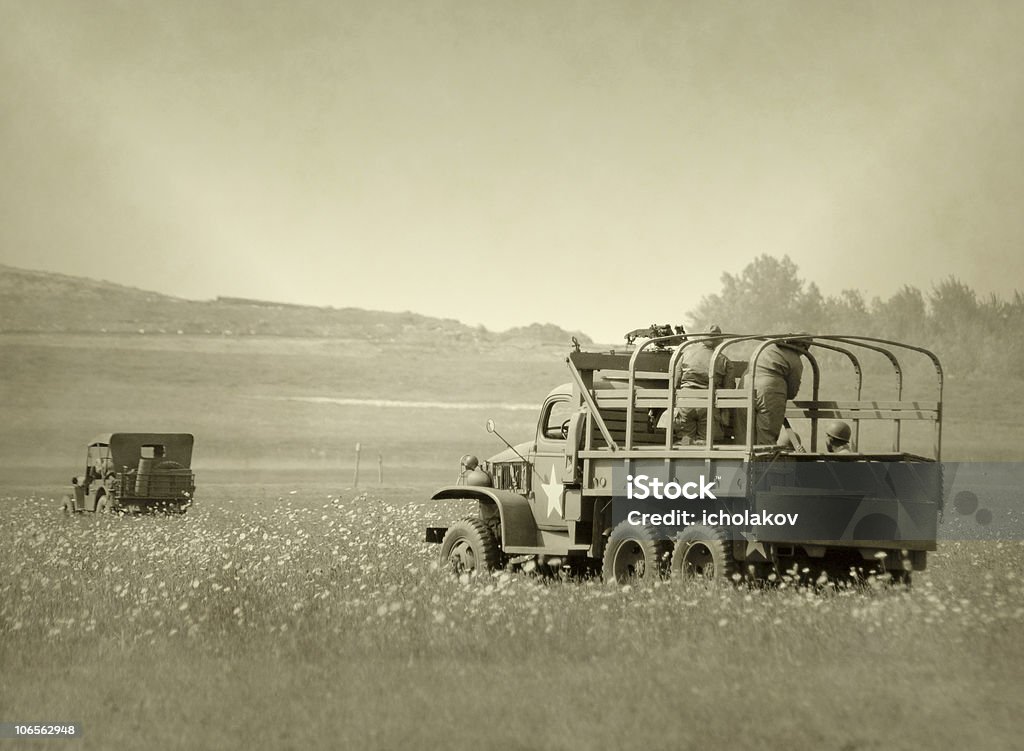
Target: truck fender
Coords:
[(518, 528)]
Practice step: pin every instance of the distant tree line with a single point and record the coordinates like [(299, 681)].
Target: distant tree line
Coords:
[(968, 332)]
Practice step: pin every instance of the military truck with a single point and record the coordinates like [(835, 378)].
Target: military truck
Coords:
[(560, 500), (135, 472)]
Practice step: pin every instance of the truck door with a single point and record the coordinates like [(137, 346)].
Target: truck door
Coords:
[(549, 461)]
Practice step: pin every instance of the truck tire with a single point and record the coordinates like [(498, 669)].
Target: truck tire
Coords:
[(102, 504), (703, 552), (902, 579), (634, 554), (469, 547)]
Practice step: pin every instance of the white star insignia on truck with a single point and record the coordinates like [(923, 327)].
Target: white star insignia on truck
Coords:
[(553, 489)]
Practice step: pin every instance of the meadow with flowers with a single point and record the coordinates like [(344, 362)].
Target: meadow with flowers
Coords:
[(320, 620), (288, 609)]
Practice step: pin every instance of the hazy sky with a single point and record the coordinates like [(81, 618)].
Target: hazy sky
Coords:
[(593, 164)]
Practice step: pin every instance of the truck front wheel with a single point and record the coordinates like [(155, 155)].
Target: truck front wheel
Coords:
[(703, 553), (469, 547), (634, 554)]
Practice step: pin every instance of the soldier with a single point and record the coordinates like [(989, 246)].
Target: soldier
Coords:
[(837, 435), (695, 372), (776, 380)]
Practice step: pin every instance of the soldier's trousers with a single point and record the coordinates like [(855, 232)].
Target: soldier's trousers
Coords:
[(770, 408), (693, 422), (690, 425), (769, 412)]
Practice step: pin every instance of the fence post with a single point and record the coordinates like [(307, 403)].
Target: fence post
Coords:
[(380, 469), (355, 477)]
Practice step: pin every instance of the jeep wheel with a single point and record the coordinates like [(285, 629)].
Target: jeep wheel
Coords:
[(103, 504), (703, 553), (634, 554), (469, 547)]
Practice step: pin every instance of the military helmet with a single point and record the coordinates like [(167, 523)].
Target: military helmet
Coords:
[(713, 329), (839, 431), (801, 345)]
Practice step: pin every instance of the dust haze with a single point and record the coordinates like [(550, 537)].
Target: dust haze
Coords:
[(411, 157)]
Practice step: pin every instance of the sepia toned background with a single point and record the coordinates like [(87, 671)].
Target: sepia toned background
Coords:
[(289, 228), (412, 156)]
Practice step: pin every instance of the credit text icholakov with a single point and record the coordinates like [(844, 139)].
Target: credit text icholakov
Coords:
[(643, 487)]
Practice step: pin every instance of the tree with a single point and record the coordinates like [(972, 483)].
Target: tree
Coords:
[(952, 303), (766, 296), (846, 314), (968, 334), (903, 316)]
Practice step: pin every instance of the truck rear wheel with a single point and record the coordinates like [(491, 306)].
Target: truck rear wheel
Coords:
[(634, 554), (901, 579), (469, 547), (703, 552)]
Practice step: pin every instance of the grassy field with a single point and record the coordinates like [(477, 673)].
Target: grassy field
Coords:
[(59, 391), (288, 610), (317, 620)]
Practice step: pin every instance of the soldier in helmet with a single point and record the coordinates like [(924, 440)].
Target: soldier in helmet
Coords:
[(695, 371), (776, 380), (837, 437)]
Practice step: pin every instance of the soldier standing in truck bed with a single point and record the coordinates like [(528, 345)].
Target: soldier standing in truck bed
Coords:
[(695, 372), (776, 380)]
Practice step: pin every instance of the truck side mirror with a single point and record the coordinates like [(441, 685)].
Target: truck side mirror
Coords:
[(490, 425)]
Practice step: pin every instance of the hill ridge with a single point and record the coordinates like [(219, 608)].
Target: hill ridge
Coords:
[(33, 301)]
